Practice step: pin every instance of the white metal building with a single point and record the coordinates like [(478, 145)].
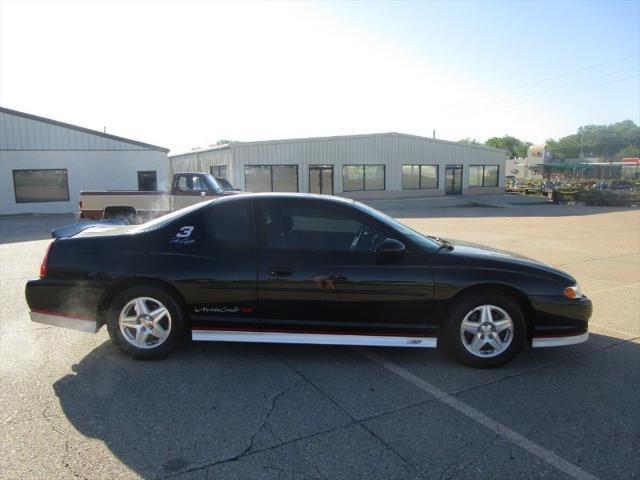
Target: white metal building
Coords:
[(45, 163), (357, 166)]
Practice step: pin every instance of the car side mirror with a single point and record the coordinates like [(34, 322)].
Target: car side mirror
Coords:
[(391, 248)]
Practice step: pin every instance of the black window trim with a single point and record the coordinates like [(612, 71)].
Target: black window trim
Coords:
[(483, 176), (322, 166), (420, 165), (155, 179), (15, 193), (364, 179), (271, 173)]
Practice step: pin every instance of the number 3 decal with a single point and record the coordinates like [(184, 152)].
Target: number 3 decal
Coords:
[(184, 232)]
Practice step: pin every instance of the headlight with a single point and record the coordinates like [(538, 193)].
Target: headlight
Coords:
[(572, 292)]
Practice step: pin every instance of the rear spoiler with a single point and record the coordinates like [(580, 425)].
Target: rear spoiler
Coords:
[(71, 230)]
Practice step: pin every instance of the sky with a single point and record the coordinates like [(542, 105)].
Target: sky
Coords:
[(184, 74)]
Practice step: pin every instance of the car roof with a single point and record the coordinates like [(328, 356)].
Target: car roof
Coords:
[(290, 196)]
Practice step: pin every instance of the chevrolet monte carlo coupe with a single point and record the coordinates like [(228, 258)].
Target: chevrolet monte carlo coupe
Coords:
[(295, 268)]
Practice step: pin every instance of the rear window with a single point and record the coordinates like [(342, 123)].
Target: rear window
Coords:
[(231, 226), (165, 219)]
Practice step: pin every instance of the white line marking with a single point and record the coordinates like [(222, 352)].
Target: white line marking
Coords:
[(533, 448)]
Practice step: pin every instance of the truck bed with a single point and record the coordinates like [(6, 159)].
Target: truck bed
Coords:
[(155, 203)]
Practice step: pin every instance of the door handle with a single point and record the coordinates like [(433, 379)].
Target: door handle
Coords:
[(280, 272)]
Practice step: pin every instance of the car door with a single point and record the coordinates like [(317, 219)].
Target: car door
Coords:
[(221, 287), (318, 272)]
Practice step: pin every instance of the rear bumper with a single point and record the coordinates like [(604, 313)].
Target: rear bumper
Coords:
[(57, 319), (63, 303)]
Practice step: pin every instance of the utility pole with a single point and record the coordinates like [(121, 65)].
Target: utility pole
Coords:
[(581, 153)]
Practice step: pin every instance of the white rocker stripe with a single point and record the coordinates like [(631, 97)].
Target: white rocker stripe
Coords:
[(313, 338), (64, 321), (559, 341)]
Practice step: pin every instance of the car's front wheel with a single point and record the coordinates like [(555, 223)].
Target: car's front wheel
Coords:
[(145, 322), (486, 330)]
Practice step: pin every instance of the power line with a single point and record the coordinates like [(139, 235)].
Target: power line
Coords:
[(577, 82), (553, 77), (554, 95)]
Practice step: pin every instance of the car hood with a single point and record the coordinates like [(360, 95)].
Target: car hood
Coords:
[(505, 259)]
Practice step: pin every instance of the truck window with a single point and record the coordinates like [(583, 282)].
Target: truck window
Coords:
[(192, 183)]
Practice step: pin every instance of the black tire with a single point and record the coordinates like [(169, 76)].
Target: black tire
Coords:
[(155, 346), (453, 337)]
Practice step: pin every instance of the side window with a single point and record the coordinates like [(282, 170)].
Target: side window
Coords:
[(191, 183), (198, 184), (231, 226), (182, 183), (308, 226), (147, 181)]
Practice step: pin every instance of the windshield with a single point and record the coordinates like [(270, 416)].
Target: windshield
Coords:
[(224, 183), (165, 219), (416, 237)]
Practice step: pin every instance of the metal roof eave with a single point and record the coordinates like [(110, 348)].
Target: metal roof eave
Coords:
[(336, 137), (81, 129)]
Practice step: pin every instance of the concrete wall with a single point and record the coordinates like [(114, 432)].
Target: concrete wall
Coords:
[(201, 161), (392, 150), (86, 170)]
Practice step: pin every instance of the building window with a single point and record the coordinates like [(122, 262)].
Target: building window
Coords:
[(483, 176), (48, 185), (416, 177), (219, 171), (363, 177), (147, 181), (271, 178)]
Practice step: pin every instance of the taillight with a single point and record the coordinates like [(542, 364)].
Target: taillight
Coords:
[(43, 265), (80, 203)]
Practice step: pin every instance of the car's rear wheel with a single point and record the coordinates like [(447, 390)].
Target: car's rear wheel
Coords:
[(487, 329), (145, 322)]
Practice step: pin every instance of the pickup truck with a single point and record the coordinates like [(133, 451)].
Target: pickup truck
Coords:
[(134, 206)]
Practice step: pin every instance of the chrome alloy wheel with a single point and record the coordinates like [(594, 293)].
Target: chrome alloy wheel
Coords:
[(486, 331), (145, 322)]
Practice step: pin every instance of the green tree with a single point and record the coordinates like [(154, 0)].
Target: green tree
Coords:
[(630, 151), (606, 141), (469, 141), (515, 147)]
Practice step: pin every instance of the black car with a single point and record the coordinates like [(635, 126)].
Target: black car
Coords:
[(294, 268)]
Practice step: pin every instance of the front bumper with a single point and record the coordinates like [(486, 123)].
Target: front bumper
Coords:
[(559, 341), (559, 321)]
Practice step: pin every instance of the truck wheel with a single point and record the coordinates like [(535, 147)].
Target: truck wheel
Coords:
[(145, 322)]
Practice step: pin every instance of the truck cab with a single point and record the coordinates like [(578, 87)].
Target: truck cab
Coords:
[(187, 189)]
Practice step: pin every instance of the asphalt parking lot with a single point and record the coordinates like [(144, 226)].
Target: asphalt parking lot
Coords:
[(72, 406)]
